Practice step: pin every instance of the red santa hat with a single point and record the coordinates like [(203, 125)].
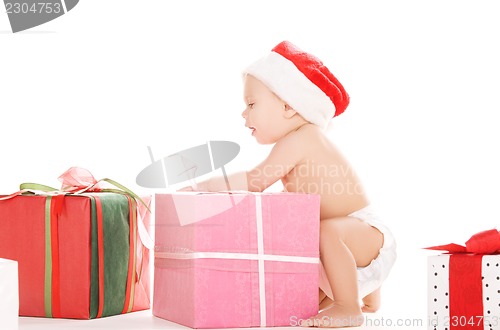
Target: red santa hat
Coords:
[(302, 81)]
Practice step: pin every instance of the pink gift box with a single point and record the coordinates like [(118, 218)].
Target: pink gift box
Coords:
[(236, 260)]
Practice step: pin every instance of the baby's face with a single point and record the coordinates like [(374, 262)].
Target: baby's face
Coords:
[(264, 111)]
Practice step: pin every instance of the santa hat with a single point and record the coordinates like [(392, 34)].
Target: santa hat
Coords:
[(301, 80)]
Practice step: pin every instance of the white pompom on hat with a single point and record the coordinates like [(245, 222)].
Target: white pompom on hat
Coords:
[(301, 80)]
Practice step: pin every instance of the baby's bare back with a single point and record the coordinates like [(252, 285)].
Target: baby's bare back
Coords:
[(323, 170)]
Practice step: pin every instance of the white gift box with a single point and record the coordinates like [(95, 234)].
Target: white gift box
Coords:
[(464, 296), (9, 294)]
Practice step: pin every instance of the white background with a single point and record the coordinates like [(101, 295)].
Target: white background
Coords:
[(96, 86)]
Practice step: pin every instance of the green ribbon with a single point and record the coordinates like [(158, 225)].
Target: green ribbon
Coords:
[(35, 186), (116, 235), (122, 189)]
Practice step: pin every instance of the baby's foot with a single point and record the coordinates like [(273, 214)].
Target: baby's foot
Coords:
[(366, 308), (371, 303), (337, 316), (325, 304)]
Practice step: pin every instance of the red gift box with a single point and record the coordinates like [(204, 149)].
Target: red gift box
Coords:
[(79, 253)]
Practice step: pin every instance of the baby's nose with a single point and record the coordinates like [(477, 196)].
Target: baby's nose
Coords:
[(244, 113)]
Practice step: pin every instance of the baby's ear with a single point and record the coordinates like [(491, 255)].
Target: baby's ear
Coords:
[(289, 112)]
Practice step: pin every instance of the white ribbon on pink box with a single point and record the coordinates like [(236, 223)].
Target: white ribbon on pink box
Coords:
[(260, 256), (9, 294)]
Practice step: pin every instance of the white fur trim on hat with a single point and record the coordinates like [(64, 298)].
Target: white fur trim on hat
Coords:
[(283, 78)]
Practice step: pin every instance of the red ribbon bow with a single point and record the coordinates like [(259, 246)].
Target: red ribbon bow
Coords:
[(484, 242)]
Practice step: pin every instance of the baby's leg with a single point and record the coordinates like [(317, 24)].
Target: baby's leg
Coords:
[(345, 244)]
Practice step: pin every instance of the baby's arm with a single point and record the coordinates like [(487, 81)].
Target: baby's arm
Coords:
[(236, 181), (285, 154)]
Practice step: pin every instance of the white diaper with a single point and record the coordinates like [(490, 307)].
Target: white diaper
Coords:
[(370, 277)]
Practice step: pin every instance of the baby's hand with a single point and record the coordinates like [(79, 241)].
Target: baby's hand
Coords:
[(188, 188)]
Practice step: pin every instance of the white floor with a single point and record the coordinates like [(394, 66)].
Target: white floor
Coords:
[(146, 321), (403, 304)]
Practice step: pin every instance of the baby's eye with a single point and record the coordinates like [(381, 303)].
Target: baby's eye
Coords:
[(250, 105)]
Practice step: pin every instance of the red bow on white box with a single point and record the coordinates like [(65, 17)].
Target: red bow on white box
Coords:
[(484, 242)]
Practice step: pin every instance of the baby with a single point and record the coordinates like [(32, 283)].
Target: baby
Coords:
[(290, 97)]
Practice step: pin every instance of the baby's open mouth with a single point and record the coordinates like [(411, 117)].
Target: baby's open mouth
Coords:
[(252, 129)]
